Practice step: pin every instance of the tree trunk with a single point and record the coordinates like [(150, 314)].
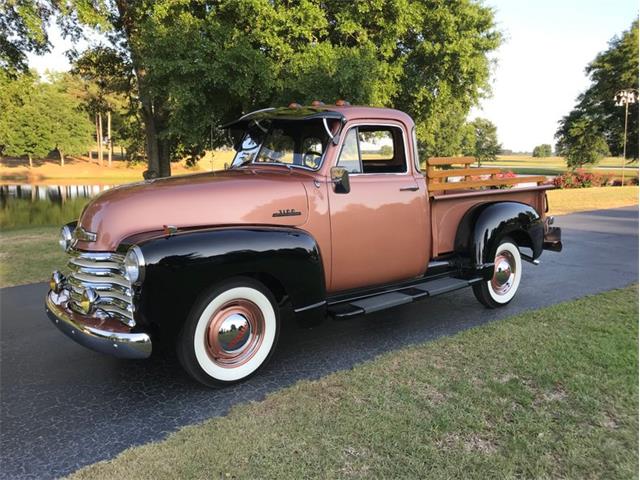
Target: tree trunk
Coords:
[(100, 145), (151, 140), (61, 157), (97, 136), (109, 142), (165, 158), (157, 165), (30, 161)]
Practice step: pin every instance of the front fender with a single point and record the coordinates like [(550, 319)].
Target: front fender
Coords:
[(482, 227), (181, 266)]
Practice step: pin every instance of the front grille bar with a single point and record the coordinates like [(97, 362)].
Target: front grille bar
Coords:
[(103, 272)]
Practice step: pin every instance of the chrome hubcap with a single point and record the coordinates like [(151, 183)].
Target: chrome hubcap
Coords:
[(234, 333), (504, 273)]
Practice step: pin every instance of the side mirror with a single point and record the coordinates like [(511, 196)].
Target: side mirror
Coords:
[(340, 180)]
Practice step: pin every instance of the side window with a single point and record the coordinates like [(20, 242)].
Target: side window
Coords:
[(382, 149), (373, 149), (376, 145), (349, 155)]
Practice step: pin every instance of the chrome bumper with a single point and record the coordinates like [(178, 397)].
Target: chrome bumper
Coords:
[(98, 337)]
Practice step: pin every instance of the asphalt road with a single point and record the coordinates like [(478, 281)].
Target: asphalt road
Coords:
[(63, 406)]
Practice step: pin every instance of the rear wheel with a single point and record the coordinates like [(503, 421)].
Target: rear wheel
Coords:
[(230, 333), (507, 272)]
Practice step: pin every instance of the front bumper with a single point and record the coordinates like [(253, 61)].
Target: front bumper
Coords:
[(102, 335)]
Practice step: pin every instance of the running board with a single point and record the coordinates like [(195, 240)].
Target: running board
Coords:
[(348, 309)]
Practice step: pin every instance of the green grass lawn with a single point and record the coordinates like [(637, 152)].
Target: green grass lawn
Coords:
[(525, 165), (556, 162), (551, 393), (583, 199), (29, 255)]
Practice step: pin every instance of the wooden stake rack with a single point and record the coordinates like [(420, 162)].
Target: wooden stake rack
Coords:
[(439, 169)]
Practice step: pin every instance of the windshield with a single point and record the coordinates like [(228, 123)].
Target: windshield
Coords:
[(292, 143)]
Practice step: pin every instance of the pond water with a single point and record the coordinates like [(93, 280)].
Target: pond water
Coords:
[(50, 193), (26, 205)]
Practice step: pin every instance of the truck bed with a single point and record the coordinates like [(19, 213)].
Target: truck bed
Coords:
[(451, 200), (448, 209)]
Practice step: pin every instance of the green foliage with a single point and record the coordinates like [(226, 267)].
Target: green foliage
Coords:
[(25, 126), (582, 142), (485, 146), (22, 30), (103, 81), (38, 117), (611, 71), (542, 151), (199, 65)]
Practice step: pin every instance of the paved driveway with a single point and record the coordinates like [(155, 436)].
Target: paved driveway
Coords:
[(64, 406)]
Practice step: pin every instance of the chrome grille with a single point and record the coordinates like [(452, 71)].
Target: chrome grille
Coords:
[(104, 272)]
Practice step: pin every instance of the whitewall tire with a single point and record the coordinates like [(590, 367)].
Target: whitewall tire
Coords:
[(230, 333), (507, 273)]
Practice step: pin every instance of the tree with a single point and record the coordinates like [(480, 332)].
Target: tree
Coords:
[(542, 151), (595, 112), (71, 130), (39, 117), (582, 143), (30, 131), (199, 64), (486, 146)]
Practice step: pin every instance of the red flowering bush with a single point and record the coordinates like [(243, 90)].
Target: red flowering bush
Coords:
[(579, 179), (503, 175)]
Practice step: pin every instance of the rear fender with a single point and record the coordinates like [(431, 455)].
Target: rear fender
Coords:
[(483, 226)]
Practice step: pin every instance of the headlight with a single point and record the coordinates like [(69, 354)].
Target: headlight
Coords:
[(66, 237), (134, 265)]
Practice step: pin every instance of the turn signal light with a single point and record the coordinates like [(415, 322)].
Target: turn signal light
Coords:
[(317, 103), (295, 105), (342, 103), (88, 301), (56, 282)]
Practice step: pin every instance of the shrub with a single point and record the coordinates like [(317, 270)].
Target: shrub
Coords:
[(579, 179)]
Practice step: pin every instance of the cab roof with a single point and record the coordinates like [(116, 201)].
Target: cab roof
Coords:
[(342, 113)]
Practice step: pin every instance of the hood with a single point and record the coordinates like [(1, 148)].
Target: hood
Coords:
[(232, 197)]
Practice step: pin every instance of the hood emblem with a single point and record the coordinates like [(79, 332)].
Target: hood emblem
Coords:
[(287, 212), (83, 235)]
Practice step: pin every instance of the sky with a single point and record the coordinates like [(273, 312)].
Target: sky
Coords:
[(540, 66), (540, 71)]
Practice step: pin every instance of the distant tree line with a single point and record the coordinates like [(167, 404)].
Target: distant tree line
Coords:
[(543, 150), (64, 113), (174, 71), (595, 127)]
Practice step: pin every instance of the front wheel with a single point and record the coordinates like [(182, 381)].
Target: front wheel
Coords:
[(507, 272), (230, 333)]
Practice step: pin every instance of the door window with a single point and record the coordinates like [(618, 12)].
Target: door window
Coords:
[(373, 149)]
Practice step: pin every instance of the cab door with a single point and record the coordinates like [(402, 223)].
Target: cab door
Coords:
[(379, 228)]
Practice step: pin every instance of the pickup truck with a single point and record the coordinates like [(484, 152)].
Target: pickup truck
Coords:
[(324, 211)]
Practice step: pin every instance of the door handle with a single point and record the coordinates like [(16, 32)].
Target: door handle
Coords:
[(409, 189)]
